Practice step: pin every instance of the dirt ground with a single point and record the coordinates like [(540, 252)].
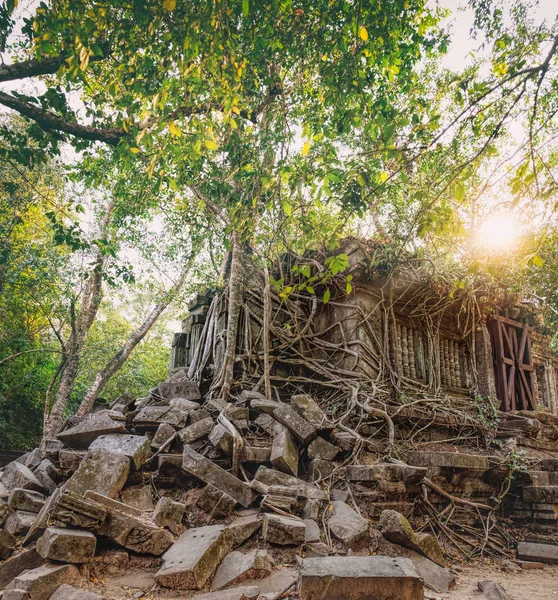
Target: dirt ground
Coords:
[(539, 584)]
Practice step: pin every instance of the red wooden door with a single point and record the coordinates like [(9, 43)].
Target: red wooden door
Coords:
[(513, 363)]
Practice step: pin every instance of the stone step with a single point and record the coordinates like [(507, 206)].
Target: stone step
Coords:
[(452, 460), (547, 494)]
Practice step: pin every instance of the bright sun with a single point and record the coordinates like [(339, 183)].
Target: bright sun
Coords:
[(498, 232)]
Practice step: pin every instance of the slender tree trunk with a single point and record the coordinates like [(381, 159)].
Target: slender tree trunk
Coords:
[(235, 304), (116, 362), (91, 300), (266, 328)]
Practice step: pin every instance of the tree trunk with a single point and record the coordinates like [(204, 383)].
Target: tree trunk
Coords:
[(235, 304), (116, 362)]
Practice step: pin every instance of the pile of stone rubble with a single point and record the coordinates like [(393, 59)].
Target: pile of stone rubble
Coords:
[(227, 495)]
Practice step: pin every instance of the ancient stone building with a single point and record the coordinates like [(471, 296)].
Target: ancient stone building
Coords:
[(407, 330)]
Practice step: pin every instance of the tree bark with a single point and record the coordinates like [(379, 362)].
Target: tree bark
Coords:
[(235, 304), (116, 362)]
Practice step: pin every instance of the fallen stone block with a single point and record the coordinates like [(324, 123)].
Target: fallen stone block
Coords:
[(31, 459), (435, 577), (311, 509), (193, 558), (312, 533), (264, 405), (14, 595), (284, 453), (492, 590), (6, 509), (183, 404), (322, 449), (83, 513), (67, 545), (283, 530), (237, 567), (47, 474), (188, 390), (170, 514), (385, 472), (316, 550), (70, 459), (40, 583), (244, 526), (134, 534), (69, 592), (140, 498), (541, 495), (153, 416), (19, 522), (17, 475), (454, 460), (215, 502), (135, 447), (397, 529), (101, 471), (27, 500), (319, 469), (301, 429), (222, 439), (309, 409), (270, 477), (347, 525), (545, 553), (85, 432), (7, 544), (238, 416), (208, 472), (239, 593), (256, 454), (359, 578), (195, 431), (163, 436), (13, 566)]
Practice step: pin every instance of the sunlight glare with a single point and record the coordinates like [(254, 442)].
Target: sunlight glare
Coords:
[(498, 232)]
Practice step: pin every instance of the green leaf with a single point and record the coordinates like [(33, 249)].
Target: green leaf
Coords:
[(326, 297), (169, 5), (287, 208), (211, 145), (245, 8), (459, 192), (306, 148), (134, 150), (538, 261), (363, 34)]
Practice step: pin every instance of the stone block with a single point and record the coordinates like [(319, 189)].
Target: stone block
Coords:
[(19, 522), (24, 561), (208, 472), (541, 494), (27, 500), (7, 544), (397, 529), (41, 583), (545, 553), (195, 431), (301, 429), (322, 449), (84, 513), (284, 453), (153, 416), (170, 514), (222, 439), (47, 474), (311, 509), (6, 509), (386, 472), (193, 558), (264, 405), (135, 534), (184, 404), (69, 592), (346, 525), (310, 410), (238, 593), (244, 526), (140, 497), (359, 578), (238, 416), (101, 471), (237, 567), (17, 475), (270, 477), (215, 502), (188, 390), (492, 590), (97, 424), (312, 533), (163, 436), (256, 454), (453, 460), (319, 469), (135, 447), (70, 459), (283, 530), (67, 545)]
